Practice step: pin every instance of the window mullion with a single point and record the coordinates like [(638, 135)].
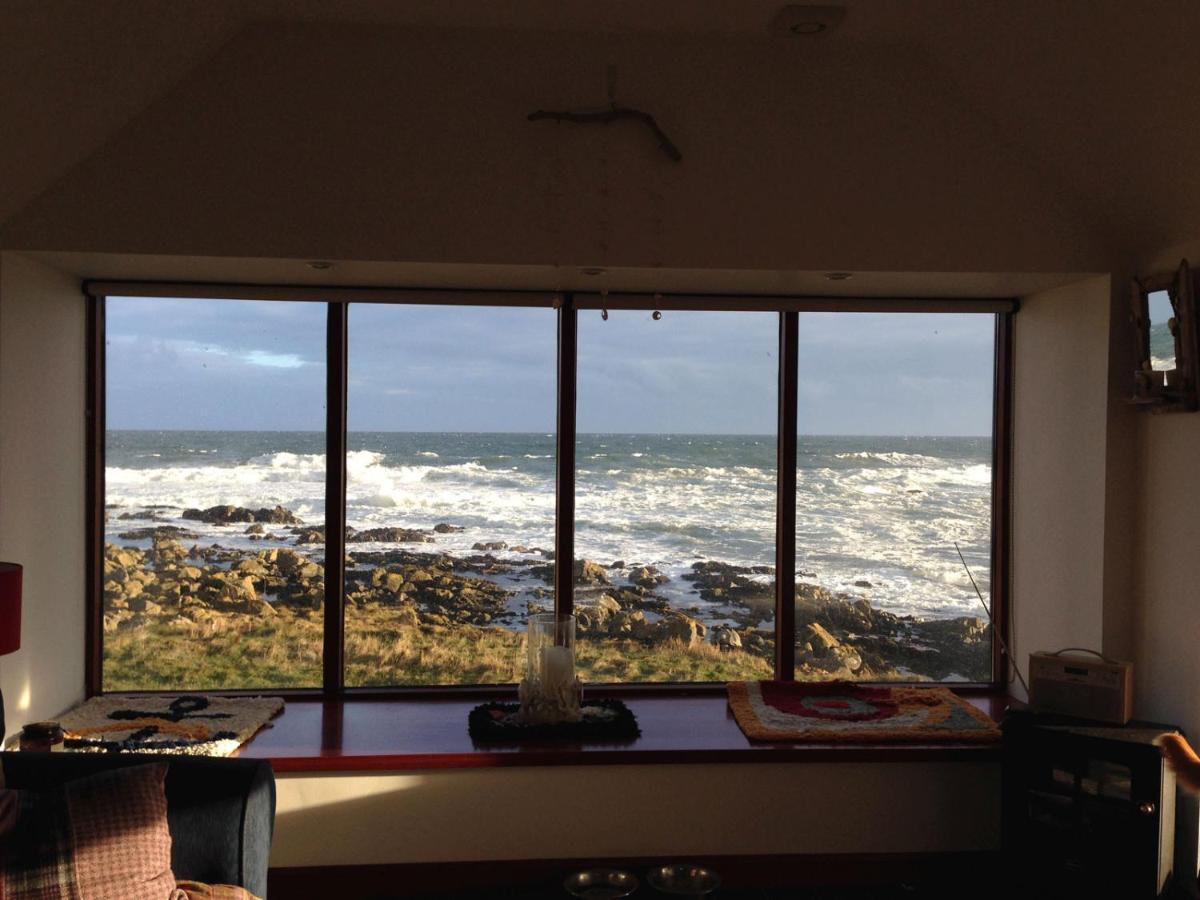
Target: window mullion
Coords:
[(334, 674), (96, 427), (785, 500), (564, 474)]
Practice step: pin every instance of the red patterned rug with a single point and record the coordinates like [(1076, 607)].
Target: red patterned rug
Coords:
[(856, 714)]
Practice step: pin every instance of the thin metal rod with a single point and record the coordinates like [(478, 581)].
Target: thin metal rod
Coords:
[(613, 299), (785, 499), (789, 303), (322, 293), (335, 499), (1002, 462), (94, 486), (564, 485)]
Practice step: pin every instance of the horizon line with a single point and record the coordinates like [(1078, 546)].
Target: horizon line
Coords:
[(771, 435)]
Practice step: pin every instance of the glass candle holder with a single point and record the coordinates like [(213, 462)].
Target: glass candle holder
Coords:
[(550, 692)]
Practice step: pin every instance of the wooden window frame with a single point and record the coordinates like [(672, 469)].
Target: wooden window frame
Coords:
[(567, 304)]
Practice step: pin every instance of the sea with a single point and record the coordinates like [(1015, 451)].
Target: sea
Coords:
[(877, 517)]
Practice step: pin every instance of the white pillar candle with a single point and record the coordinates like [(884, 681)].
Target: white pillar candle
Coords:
[(558, 667)]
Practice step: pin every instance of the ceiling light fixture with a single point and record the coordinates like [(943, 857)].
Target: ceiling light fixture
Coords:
[(799, 20)]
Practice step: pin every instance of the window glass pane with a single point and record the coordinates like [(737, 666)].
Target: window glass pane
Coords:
[(214, 484), (675, 495), (1162, 342), (894, 457), (450, 493)]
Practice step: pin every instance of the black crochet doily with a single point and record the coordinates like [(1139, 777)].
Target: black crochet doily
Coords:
[(603, 720)]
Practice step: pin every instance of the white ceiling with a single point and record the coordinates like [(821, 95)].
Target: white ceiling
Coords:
[(1099, 95)]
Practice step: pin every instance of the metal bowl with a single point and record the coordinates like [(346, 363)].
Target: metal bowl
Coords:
[(601, 884), (683, 879)]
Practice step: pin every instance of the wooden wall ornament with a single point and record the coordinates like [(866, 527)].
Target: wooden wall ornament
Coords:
[(1178, 389)]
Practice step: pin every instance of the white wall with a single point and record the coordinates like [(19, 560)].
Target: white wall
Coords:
[(615, 811), (1166, 593), (1060, 426), (42, 389), (374, 143)]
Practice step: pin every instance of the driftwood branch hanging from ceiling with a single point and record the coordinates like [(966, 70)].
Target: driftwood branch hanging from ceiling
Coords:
[(612, 114)]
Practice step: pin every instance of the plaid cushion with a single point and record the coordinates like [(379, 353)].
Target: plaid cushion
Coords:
[(103, 837)]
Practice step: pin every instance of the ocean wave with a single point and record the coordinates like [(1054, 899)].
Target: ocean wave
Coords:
[(893, 457), (889, 521)]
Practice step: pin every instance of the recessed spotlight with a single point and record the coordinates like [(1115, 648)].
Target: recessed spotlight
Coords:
[(799, 20), (320, 265), (839, 276)]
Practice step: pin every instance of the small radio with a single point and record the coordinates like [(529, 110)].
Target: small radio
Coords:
[(1099, 689)]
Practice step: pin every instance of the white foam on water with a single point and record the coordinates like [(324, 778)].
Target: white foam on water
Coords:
[(892, 525)]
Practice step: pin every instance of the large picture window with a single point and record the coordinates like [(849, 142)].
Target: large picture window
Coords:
[(675, 495), (894, 457), (213, 559), (450, 490), (487, 456)]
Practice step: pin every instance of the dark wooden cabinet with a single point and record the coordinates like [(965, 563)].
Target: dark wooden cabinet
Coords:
[(1089, 811)]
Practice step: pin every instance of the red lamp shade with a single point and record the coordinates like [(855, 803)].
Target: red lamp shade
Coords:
[(10, 607)]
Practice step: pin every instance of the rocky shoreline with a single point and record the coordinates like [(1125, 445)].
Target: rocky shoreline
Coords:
[(173, 580)]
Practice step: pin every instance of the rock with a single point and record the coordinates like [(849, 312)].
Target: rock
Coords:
[(287, 561), (726, 638), (166, 551), (819, 641), (648, 577), (252, 567), (732, 584), (278, 516), (256, 528), (240, 589), (392, 581), (125, 557), (629, 624), (158, 532), (863, 583), (489, 546), (390, 536), (593, 616), (312, 535), (443, 528), (228, 515), (617, 564), (588, 572), (678, 627)]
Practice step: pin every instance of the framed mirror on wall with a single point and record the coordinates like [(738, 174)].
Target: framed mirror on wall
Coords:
[(1168, 342)]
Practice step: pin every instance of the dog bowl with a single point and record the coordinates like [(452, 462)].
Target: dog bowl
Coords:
[(601, 884), (684, 880)]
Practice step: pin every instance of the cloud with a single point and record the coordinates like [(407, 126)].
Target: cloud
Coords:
[(273, 360)]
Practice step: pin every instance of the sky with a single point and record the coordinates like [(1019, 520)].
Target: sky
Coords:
[(260, 365)]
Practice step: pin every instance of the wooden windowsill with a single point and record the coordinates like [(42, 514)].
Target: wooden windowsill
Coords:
[(403, 734)]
